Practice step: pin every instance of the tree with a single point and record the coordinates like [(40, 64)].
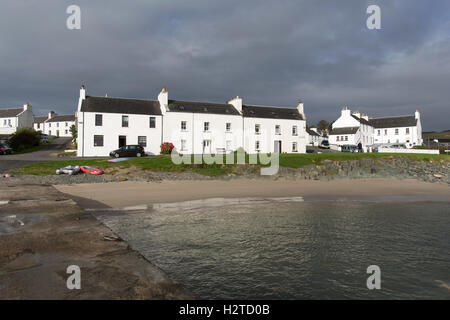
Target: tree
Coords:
[(24, 138), (74, 133), (322, 125)]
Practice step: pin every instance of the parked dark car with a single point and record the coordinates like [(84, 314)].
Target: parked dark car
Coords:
[(324, 144), (349, 148), (5, 149), (133, 150)]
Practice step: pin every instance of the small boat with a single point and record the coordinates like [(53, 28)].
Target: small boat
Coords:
[(70, 170), (91, 170)]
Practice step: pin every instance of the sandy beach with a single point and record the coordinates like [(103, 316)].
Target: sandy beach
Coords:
[(129, 193)]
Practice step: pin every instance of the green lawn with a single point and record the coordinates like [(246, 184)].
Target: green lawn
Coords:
[(164, 163)]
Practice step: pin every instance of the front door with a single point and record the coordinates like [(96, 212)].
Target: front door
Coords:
[(206, 146), (277, 146), (122, 141)]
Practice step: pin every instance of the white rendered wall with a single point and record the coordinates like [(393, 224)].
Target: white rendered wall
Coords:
[(194, 135), (51, 128), (6, 128), (267, 135), (111, 129)]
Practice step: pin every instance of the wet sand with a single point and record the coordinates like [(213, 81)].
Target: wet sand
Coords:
[(129, 193)]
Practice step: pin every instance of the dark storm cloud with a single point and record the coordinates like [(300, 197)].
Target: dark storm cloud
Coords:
[(269, 52)]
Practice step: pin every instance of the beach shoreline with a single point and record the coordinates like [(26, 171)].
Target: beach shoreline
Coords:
[(129, 193)]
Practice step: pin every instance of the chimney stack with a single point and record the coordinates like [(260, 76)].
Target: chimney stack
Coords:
[(26, 106), (83, 92), (365, 116), (163, 99), (237, 103), (417, 114), (345, 111), (51, 114), (301, 109), (357, 114)]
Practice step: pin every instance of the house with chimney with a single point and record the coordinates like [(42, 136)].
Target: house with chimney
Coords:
[(352, 128), (15, 118), (55, 124), (194, 127), (402, 129)]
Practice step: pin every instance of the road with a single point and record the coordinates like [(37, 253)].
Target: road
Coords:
[(8, 162)]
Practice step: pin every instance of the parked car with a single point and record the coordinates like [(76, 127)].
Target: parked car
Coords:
[(133, 150), (5, 149), (349, 148), (324, 144), (45, 139)]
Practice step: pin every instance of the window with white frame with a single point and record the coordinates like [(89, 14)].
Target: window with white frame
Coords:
[(337, 138), (346, 138), (49, 124), (142, 141), (152, 123), (98, 141), (67, 124), (396, 132), (206, 126), (277, 129), (379, 132), (294, 130), (257, 145), (98, 120), (257, 129), (407, 130), (183, 126), (228, 145), (228, 126), (294, 147), (183, 146), (385, 132), (124, 121)]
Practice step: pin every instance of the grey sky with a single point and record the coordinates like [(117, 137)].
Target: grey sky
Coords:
[(269, 52)]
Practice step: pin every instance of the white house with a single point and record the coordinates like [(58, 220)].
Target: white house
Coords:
[(403, 129), (314, 138), (352, 128), (104, 124), (17, 118), (58, 125), (38, 124)]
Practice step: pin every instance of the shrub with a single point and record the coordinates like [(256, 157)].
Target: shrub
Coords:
[(166, 148), (24, 138)]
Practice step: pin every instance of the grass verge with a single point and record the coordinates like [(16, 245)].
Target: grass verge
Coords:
[(165, 164)]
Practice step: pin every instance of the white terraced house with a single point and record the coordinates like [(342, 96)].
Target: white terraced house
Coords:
[(353, 128), (403, 129), (54, 124), (13, 119), (105, 124)]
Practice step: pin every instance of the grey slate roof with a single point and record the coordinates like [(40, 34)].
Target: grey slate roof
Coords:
[(8, 113), (312, 132), (394, 122), (58, 118), (120, 105), (202, 107), (347, 130), (362, 120), (271, 113), (39, 119)]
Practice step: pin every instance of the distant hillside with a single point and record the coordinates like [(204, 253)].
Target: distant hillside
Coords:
[(436, 135)]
